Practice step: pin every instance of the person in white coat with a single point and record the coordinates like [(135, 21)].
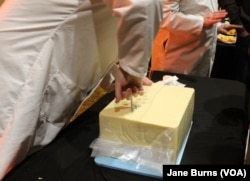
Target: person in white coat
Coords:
[(186, 41), (53, 55)]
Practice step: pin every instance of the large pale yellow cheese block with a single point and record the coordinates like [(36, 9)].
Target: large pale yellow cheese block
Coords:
[(161, 119)]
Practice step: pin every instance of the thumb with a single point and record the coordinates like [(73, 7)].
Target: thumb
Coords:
[(146, 81), (118, 92)]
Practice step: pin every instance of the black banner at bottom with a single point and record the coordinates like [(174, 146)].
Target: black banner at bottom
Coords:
[(218, 172)]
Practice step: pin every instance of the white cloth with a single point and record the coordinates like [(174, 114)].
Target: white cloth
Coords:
[(182, 45), (53, 55)]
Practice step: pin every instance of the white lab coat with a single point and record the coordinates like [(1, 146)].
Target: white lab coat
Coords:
[(182, 45), (54, 53)]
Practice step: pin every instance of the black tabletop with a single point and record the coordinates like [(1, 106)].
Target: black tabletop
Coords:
[(217, 136)]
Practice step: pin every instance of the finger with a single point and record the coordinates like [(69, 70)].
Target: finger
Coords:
[(219, 16), (223, 31), (135, 91), (236, 26), (146, 81), (138, 91), (127, 94), (118, 93), (222, 10)]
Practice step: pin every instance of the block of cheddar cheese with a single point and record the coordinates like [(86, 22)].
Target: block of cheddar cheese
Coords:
[(159, 122)]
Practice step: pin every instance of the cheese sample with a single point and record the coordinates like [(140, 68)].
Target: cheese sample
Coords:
[(227, 38), (160, 121)]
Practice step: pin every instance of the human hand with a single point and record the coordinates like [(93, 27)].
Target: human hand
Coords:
[(213, 18), (127, 85), (224, 28)]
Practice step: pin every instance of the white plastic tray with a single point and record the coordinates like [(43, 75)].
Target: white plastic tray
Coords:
[(130, 167)]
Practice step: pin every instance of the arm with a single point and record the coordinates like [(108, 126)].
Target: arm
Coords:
[(139, 21), (175, 20), (234, 14), (178, 17)]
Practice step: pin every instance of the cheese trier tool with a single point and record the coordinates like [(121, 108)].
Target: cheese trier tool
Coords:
[(132, 105)]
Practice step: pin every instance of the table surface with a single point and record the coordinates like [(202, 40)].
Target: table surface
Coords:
[(217, 136), (224, 61)]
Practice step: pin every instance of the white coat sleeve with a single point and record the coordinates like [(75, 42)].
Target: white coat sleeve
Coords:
[(138, 24), (175, 20)]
